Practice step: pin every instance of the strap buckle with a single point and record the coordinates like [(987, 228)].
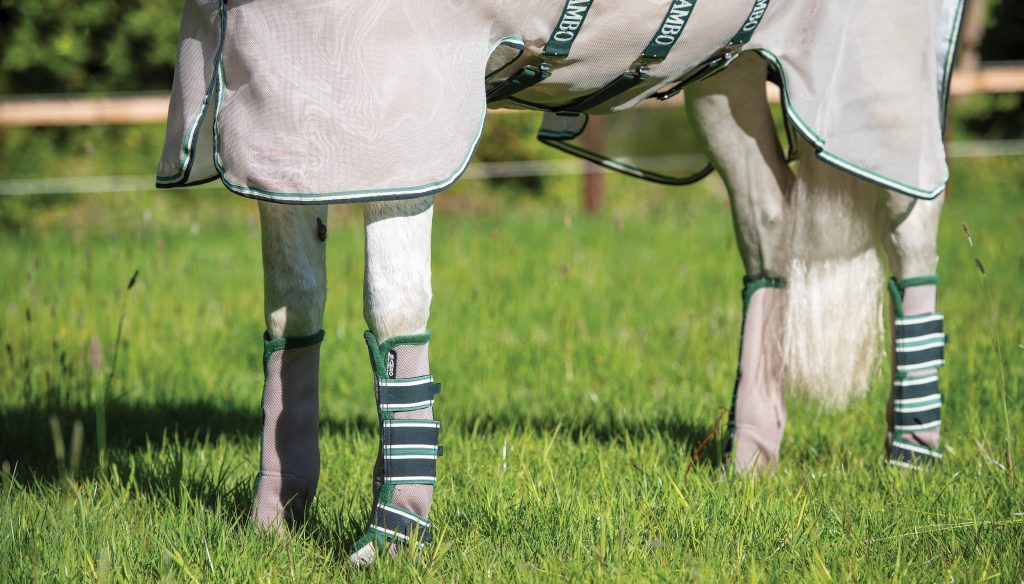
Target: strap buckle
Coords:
[(712, 65), (641, 67), (544, 67)]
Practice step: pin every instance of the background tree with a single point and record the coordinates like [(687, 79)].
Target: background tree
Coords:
[(60, 46)]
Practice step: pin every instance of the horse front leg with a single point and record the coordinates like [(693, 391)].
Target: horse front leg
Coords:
[(396, 297), (295, 287), (918, 339), (732, 113)]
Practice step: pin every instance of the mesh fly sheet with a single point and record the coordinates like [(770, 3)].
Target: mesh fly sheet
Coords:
[(338, 101)]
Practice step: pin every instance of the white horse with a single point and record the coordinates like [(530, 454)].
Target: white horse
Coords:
[(808, 233)]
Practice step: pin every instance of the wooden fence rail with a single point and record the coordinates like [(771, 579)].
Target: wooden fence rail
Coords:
[(152, 109)]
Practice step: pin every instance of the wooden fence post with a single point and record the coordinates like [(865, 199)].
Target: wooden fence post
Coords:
[(972, 33), (593, 177)]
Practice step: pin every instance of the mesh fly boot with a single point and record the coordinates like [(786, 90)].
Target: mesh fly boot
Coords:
[(758, 416), (289, 452), (918, 343), (406, 469)]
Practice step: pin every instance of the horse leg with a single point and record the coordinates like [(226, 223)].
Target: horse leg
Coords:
[(913, 413), (732, 113), (396, 305), (295, 285)]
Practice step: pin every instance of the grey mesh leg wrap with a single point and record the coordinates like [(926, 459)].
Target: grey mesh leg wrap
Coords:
[(758, 417), (289, 453), (406, 468), (918, 343)]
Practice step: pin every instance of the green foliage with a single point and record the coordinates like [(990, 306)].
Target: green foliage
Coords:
[(583, 358), (991, 117), (996, 117), (27, 153), (91, 46), (510, 137), (79, 151), (1004, 40), (51, 46)]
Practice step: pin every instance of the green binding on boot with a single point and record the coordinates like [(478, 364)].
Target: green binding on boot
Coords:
[(271, 346), (919, 342), (896, 288), (408, 450), (750, 285)]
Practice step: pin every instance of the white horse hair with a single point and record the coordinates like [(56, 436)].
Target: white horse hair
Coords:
[(835, 280)]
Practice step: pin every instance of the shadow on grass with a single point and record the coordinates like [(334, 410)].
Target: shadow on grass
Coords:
[(26, 440), (152, 447), (606, 429)]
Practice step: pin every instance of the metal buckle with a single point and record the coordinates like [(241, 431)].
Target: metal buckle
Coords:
[(714, 64), (641, 67), (543, 69)]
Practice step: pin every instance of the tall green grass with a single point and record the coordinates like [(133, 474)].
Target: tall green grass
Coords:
[(583, 359)]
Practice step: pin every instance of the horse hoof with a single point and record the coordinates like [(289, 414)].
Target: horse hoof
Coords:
[(364, 556)]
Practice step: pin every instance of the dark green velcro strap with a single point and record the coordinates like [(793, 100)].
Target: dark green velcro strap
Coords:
[(410, 451), (621, 84), (916, 389), (919, 358), (404, 434), (907, 453), (919, 327), (558, 46), (918, 418), (399, 395), (392, 523), (920, 343), (403, 467), (520, 80), (916, 404), (658, 48), (721, 58)]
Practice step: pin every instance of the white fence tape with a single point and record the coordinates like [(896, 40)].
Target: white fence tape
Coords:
[(476, 171)]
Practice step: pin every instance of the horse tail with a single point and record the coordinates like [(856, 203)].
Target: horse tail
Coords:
[(834, 327)]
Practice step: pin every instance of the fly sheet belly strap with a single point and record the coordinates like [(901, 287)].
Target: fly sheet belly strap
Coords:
[(558, 46), (721, 59), (665, 37), (661, 44)]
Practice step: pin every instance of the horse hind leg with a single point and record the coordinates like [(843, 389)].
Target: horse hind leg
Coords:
[(294, 294), (732, 113), (396, 296), (917, 339)]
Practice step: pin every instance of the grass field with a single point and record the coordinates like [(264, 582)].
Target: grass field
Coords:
[(583, 358)]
